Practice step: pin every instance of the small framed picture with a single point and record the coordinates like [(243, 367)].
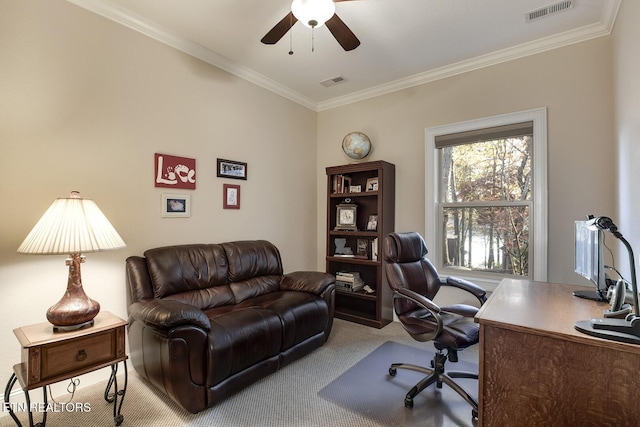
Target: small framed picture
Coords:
[(176, 205), (231, 194), (363, 248), (355, 188), (231, 169), (372, 184), (372, 224)]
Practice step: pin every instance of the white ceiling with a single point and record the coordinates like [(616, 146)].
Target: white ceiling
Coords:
[(403, 42)]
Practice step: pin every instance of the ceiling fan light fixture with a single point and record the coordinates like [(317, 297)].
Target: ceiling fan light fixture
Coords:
[(313, 13)]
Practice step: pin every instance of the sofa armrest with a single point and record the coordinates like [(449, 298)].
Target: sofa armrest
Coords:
[(314, 282), (167, 314)]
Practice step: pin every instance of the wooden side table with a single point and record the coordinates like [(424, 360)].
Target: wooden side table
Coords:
[(49, 357)]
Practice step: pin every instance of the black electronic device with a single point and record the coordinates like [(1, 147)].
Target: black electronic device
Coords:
[(625, 329), (589, 260), (617, 294)]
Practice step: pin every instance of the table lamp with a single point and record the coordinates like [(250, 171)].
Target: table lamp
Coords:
[(72, 226)]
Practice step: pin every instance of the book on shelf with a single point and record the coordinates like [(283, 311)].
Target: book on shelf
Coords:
[(374, 249), (349, 281), (341, 183), (349, 286), (347, 276)]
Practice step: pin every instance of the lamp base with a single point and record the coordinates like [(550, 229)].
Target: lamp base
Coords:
[(73, 327), (73, 313), (75, 309)]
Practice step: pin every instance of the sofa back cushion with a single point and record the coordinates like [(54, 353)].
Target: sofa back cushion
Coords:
[(255, 268), (196, 274)]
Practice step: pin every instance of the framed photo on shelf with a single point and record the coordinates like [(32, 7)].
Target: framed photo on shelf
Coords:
[(372, 224), (231, 169), (231, 194), (362, 249), (372, 184), (176, 205), (355, 189)]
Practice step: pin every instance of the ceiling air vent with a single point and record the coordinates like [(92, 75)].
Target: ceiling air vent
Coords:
[(549, 10), (332, 82)]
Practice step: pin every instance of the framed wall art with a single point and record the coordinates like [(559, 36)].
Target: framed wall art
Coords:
[(231, 169), (176, 205), (175, 172), (231, 194)]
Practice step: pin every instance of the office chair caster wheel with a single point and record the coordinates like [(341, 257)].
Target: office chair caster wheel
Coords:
[(393, 372), (408, 402)]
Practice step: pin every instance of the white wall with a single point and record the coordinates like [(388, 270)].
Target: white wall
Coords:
[(574, 83), (627, 93), (84, 105)]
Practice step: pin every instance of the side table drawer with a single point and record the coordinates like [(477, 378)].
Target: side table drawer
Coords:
[(68, 357)]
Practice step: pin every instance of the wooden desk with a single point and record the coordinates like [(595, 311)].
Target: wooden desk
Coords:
[(537, 370)]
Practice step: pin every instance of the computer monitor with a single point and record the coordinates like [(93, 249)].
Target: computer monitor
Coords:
[(589, 260)]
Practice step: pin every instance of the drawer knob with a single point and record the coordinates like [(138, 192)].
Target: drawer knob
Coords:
[(81, 355)]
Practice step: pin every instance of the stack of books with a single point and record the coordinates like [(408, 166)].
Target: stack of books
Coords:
[(349, 281)]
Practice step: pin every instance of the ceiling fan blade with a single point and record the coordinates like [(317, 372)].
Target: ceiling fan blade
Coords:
[(342, 33), (280, 29)]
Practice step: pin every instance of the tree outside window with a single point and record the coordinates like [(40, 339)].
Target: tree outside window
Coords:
[(486, 197)]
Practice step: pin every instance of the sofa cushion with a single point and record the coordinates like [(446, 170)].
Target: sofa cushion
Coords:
[(255, 268), (302, 314), (194, 274), (240, 338)]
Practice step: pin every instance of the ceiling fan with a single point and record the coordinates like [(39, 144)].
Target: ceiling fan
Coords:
[(314, 13)]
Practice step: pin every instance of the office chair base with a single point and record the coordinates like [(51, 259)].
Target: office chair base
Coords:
[(438, 376)]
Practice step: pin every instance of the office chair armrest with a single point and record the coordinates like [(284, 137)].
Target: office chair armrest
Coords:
[(470, 287), (425, 303)]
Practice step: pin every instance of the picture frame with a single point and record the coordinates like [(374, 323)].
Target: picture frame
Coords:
[(372, 184), (231, 169), (362, 250), (231, 196), (176, 205), (355, 189), (372, 223)]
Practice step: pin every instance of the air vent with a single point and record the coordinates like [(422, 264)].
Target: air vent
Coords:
[(548, 10), (332, 82)]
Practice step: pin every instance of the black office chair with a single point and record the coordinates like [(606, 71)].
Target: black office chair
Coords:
[(415, 282)]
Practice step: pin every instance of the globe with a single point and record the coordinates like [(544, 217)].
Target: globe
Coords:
[(356, 145)]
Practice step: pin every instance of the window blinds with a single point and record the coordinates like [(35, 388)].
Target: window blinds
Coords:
[(514, 130)]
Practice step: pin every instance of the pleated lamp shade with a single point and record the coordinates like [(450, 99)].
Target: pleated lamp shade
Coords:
[(72, 226)]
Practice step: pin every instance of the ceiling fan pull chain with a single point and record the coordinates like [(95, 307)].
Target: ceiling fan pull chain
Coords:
[(290, 34), (313, 39)]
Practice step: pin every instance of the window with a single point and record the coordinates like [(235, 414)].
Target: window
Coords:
[(486, 197)]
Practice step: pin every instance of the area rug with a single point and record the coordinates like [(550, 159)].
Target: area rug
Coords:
[(367, 389)]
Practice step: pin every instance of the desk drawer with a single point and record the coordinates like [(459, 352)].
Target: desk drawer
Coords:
[(68, 357)]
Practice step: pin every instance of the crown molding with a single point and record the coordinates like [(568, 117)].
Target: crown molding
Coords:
[(527, 49), (137, 23)]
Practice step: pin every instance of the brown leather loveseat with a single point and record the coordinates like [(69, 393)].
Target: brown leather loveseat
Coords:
[(206, 320)]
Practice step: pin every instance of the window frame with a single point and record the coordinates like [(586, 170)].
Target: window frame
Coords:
[(539, 237)]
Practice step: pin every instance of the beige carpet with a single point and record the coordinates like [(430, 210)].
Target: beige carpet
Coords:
[(288, 398)]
